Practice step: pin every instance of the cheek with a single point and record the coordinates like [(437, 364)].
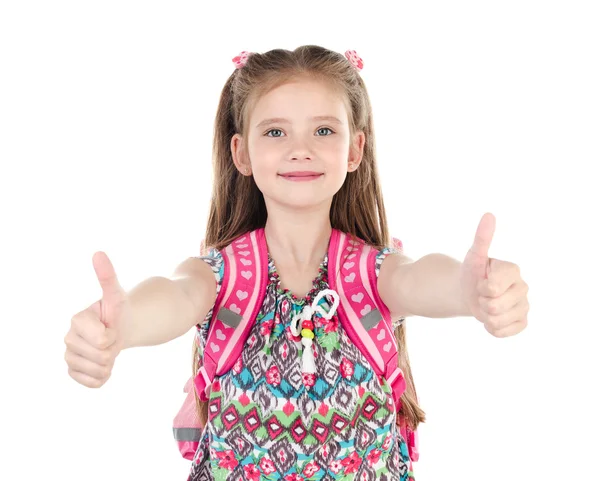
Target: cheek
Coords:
[(263, 159), (337, 179)]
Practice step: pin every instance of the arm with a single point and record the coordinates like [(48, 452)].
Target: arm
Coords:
[(428, 287), (166, 308)]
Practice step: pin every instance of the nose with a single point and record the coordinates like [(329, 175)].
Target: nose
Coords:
[(301, 151), (308, 158)]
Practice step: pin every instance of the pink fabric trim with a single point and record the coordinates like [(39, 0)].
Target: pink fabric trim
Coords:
[(188, 449), (202, 382), (368, 336), (391, 358), (394, 375), (357, 334), (234, 348), (207, 358)]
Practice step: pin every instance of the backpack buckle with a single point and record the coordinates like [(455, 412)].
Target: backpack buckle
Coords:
[(397, 384), (202, 383)]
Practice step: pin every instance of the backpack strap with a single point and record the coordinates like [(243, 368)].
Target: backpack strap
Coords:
[(364, 316), (245, 279)]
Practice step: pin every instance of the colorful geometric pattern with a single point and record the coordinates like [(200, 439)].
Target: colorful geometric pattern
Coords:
[(268, 421)]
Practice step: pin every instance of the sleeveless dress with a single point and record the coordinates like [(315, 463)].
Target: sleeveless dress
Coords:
[(269, 421)]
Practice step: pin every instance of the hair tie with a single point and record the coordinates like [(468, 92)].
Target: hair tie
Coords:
[(240, 60), (354, 59)]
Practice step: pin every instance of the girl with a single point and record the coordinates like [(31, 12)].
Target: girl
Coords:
[(294, 153), (279, 166)]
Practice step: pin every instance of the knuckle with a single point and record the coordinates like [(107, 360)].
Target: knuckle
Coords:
[(105, 357), (492, 307), (495, 323), (69, 340), (77, 377), (76, 321), (95, 383), (104, 372), (100, 342), (85, 380), (493, 331)]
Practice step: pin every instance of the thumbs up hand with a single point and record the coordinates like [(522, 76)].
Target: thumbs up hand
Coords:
[(493, 289), (96, 336)]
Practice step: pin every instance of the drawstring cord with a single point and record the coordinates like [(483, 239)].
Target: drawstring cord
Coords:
[(308, 356)]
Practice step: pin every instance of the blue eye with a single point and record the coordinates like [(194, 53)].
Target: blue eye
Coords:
[(273, 130), (325, 128), (279, 130)]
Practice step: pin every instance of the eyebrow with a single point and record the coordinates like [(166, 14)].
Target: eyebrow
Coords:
[(279, 120)]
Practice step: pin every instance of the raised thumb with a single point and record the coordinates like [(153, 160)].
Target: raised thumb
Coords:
[(484, 235), (112, 292)]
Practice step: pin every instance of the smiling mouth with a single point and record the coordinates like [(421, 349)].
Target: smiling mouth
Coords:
[(301, 178), (316, 174), (309, 175)]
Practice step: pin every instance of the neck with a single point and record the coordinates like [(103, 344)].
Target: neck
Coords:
[(298, 241)]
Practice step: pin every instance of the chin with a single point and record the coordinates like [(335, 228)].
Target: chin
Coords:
[(301, 201)]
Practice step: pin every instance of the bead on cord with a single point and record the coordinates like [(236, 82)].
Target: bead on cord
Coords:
[(308, 357)]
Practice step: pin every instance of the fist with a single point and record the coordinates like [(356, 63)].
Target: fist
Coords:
[(96, 335), (492, 289)]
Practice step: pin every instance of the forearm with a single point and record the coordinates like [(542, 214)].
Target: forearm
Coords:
[(433, 287), (161, 312)]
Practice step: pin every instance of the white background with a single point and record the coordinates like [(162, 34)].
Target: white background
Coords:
[(106, 115)]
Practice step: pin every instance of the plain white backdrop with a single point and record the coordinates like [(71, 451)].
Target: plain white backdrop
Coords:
[(106, 116)]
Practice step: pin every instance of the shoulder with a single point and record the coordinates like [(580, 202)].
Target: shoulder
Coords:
[(199, 267), (391, 279), (214, 259), (390, 262)]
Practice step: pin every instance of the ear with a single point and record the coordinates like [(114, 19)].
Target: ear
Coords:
[(356, 151), (238, 153)]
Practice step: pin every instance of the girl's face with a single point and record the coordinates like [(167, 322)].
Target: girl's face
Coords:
[(299, 141)]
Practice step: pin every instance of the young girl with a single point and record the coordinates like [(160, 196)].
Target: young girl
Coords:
[(254, 157), (294, 153)]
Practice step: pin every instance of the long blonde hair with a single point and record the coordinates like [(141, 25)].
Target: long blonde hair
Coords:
[(237, 205)]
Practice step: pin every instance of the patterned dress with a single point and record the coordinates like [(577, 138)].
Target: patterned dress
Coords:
[(272, 422)]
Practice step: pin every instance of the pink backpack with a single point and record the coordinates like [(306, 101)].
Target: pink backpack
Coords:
[(361, 311)]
